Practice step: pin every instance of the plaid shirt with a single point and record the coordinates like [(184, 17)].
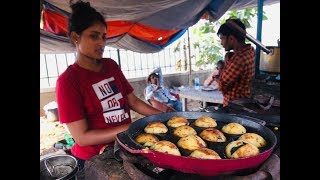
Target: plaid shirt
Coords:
[(237, 74)]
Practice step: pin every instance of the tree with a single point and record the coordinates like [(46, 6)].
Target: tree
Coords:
[(209, 47)]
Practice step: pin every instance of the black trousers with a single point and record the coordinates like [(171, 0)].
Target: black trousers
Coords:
[(210, 104), (80, 162)]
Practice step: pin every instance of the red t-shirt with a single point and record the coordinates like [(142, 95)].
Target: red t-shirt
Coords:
[(99, 97)]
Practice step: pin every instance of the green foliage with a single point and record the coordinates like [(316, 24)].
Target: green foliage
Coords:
[(209, 46)]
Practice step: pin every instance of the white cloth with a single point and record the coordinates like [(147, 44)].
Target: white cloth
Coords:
[(159, 72), (162, 94)]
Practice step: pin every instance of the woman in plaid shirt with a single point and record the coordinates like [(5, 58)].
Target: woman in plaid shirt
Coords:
[(238, 72)]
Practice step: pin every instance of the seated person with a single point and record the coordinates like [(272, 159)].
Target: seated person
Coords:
[(211, 80), (159, 92)]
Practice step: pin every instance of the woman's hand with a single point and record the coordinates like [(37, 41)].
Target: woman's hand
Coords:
[(215, 74), (84, 136), (158, 85), (140, 106), (156, 88), (228, 56), (170, 109)]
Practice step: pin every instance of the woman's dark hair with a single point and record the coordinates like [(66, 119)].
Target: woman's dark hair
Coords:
[(82, 17), (220, 62), (148, 80), (227, 31)]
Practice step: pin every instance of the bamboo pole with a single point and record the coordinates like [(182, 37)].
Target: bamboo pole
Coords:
[(189, 54)]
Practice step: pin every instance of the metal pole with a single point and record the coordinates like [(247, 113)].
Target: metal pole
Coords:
[(185, 58), (41, 8), (259, 32), (65, 56), (55, 56), (119, 61), (189, 53), (45, 60)]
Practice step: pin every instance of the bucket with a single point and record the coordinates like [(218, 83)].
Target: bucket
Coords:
[(52, 114), (51, 110), (59, 167), (270, 62)]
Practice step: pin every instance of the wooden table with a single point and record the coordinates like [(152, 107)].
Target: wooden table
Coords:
[(185, 93)]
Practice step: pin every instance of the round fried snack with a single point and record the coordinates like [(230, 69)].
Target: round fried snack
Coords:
[(146, 139), (205, 153), (183, 131), (241, 149), (177, 121), (213, 135), (191, 142), (233, 128), (254, 139), (156, 128), (206, 122), (166, 147)]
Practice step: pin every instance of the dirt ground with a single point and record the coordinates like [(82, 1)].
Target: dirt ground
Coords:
[(52, 131)]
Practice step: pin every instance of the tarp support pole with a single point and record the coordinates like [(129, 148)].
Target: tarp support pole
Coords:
[(119, 61), (259, 32), (41, 8), (45, 60), (189, 53)]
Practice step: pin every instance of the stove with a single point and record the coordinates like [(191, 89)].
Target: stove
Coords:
[(139, 167), (136, 167), (272, 79)]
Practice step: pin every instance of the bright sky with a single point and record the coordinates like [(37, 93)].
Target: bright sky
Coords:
[(270, 28)]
